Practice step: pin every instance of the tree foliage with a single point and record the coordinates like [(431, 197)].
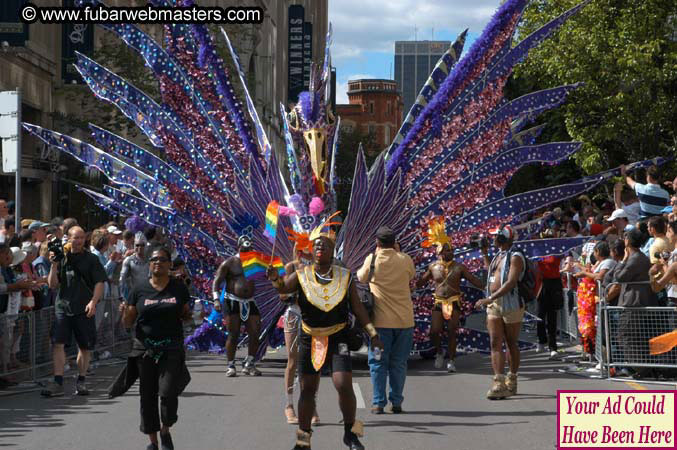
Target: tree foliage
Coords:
[(349, 142), (625, 51)]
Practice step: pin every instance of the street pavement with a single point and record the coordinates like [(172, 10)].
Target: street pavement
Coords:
[(441, 410)]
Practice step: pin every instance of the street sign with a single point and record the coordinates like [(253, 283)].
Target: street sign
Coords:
[(9, 129)]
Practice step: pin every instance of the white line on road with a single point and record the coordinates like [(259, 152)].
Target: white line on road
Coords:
[(358, 396)]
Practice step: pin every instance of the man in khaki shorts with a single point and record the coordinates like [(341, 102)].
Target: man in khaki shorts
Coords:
[(505, 309)]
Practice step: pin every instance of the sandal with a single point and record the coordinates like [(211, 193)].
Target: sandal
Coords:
[(291, 415)]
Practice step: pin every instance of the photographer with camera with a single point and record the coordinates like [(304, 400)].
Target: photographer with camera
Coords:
[(505, 308), (79, 278)]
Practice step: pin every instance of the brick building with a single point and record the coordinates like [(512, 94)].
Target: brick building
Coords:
[(375, 108)]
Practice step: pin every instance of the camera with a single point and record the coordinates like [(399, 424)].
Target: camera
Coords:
[(662, 255), (479, 241), (55, 246)]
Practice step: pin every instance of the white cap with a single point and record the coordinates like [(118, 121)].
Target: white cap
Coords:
[(18, 256), (617, 214), (113, 229)]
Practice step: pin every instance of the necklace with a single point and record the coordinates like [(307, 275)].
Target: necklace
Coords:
[(323, 275)]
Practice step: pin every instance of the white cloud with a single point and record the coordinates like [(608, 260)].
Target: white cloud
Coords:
[(373, 26), (342, 87)]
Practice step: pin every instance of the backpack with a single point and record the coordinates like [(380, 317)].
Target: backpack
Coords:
[(529, 287)]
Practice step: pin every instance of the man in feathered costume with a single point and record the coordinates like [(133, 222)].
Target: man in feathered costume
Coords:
[(447, 275), (326, 293)]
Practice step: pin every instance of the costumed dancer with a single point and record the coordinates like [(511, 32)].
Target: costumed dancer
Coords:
[(237, 294), (446, 274), (158, 305), (326, 292), (292, 323)]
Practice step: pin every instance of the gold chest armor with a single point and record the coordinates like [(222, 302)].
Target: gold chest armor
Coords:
[(324, 297)]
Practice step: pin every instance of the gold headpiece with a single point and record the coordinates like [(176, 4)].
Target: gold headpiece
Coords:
[(329, 234), (436, 234)]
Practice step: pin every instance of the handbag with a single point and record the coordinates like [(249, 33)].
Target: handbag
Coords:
[(364, 290)]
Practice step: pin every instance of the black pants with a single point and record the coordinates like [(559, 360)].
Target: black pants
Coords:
[(155, 379), (549, 302)]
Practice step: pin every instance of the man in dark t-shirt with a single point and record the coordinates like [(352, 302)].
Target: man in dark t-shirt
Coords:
[(79, 279)]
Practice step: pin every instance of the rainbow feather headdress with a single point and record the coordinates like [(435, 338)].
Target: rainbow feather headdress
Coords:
[(436, 234)]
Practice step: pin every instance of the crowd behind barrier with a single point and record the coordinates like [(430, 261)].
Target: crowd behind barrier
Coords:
[(26, 342)]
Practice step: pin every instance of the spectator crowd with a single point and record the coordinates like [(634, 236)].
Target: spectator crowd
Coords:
[(119, 255)]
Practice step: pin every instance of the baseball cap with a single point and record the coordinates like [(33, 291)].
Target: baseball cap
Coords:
[(385, 234), (37, 224), (505, 231), (113, 229), (26, 222), (666, 210), (617, 214)]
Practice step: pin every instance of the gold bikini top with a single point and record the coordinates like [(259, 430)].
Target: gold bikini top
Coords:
[(324, 296)]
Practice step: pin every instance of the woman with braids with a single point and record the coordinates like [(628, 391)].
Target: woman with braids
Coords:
[(158, 304)]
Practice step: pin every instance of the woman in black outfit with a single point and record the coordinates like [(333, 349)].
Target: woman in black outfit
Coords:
[(158, 305)]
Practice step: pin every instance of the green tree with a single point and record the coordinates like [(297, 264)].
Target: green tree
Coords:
[(625, 51), (350, 139)]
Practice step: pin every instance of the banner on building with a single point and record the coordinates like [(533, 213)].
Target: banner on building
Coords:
[(307, 53), (295, 53), (12, 30), (74, 37)]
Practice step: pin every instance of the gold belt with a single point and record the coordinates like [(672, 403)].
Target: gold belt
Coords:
[(322, 331), (447, 300)]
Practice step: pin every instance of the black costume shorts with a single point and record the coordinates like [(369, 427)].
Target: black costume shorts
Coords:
[(232, 307), (337, 361), (82, 327)]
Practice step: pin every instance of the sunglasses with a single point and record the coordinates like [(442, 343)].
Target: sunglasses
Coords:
[(139, 245), (160, 259)]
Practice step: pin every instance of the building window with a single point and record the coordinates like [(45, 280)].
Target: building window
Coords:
[(389, 108), (371, 107), (371, 130), (386, 134)]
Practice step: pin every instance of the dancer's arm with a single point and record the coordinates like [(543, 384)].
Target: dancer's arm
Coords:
[(284, 285), (221, 275), (472, 278), (363, 316), (427, 276)]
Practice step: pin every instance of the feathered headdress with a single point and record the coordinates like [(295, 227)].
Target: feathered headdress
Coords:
[(436, 234), (245, 224), (318, 231), (301, 240)]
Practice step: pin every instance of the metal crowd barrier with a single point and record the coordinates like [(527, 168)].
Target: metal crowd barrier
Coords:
[(567, 323), (26, 341)]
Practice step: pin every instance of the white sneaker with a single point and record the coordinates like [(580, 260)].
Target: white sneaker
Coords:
[(439, 360), (553, 354), (451, 367), (105, 355), (231, 372), (540, 348)]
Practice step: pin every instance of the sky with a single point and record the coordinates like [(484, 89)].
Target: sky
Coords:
[(365, 31)]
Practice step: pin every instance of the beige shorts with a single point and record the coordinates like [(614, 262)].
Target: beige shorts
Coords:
[(495, 310)]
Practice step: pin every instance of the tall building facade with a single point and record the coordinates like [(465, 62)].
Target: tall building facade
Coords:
[(375, 109), (38, 60), (414, 61)]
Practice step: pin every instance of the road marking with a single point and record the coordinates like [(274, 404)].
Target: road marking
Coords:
[(358, 396), (636, 386)]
